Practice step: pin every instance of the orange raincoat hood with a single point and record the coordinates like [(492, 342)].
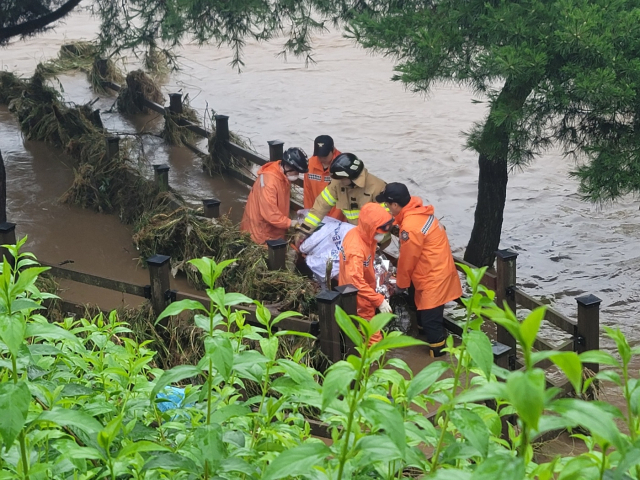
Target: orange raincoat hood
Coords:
[(266, 214), (372, 216)]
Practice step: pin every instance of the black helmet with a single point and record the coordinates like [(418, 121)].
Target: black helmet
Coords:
[(346, 165), (296, 159)]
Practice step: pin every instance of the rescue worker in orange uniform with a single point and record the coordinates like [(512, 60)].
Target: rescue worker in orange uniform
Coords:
[(266, 214), (318, 177), (356, 260), (425, 260)]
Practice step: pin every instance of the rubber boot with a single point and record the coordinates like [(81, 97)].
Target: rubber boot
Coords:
[(435, 349)]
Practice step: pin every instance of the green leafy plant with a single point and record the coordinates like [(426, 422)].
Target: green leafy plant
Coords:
[(81, 399)]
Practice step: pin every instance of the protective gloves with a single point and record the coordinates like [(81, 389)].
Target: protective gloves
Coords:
[(385, 307)]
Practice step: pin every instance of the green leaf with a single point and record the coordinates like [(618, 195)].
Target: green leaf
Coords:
[(71, 418), (384, 416), (171, 462), (12, 332), (297, 461), (24, 304), (174, 375), (221, 352), (269, 347), (27, 277), (14, 405), (592, 417), (526, 393), (139, 447), (178, 307), (378, 322), (481, 351), (235, 464), (50, 332), (336, 382), (76, 390), (347, 326), (401, 341), (378, 448), (206, 267), (530, 327), (598, 356), (490, 391), (236, 299), (284, 315), (473, 428), (579, 468), (570, 364), (425, 378), (500, 467), (621, 342), (209, 440), (222, 414)]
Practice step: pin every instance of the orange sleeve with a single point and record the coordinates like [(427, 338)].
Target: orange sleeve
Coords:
[(308, 194), (355, 271), (410, 251), (269, 209)]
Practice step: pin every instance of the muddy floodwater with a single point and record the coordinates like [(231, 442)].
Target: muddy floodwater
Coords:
[(566, 247)]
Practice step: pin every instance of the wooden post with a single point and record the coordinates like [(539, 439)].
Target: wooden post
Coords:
[(276, 150), (348, 303), (505, 291), (588, 330), (162, 176), (7, 237), (277, 254), (113, 147), (211, 207), (329, 330), (175, 103), (222, 142), (159, 269), (96, 119), (222, 128)]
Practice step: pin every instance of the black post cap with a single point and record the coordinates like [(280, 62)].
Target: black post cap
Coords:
[(174, 95), (499, 349), (328, 296), (221, 117), (7, 227), (211, 202), (277, 244), (273, 143), (158, 260), (347, 290), (588, 301), (161, 167), (506, 254), (113, 139)]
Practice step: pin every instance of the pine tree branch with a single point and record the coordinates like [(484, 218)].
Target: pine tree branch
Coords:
[(32, 26)]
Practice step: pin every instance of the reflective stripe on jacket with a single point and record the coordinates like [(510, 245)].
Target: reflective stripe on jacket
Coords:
[(315, 182), (425, 257), (266, 214), (349, 200), (357, 256)]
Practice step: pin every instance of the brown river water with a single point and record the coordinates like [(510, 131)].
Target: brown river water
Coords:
[(566, 247)]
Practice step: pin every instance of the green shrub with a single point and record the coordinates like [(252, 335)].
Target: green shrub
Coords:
[(79, 399)]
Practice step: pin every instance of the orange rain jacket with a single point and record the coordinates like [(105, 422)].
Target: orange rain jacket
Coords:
[(267, 209), (315, 181), (425, 257), (356, 260)]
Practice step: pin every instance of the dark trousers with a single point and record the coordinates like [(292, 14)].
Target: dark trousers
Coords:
[(432, 322)]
